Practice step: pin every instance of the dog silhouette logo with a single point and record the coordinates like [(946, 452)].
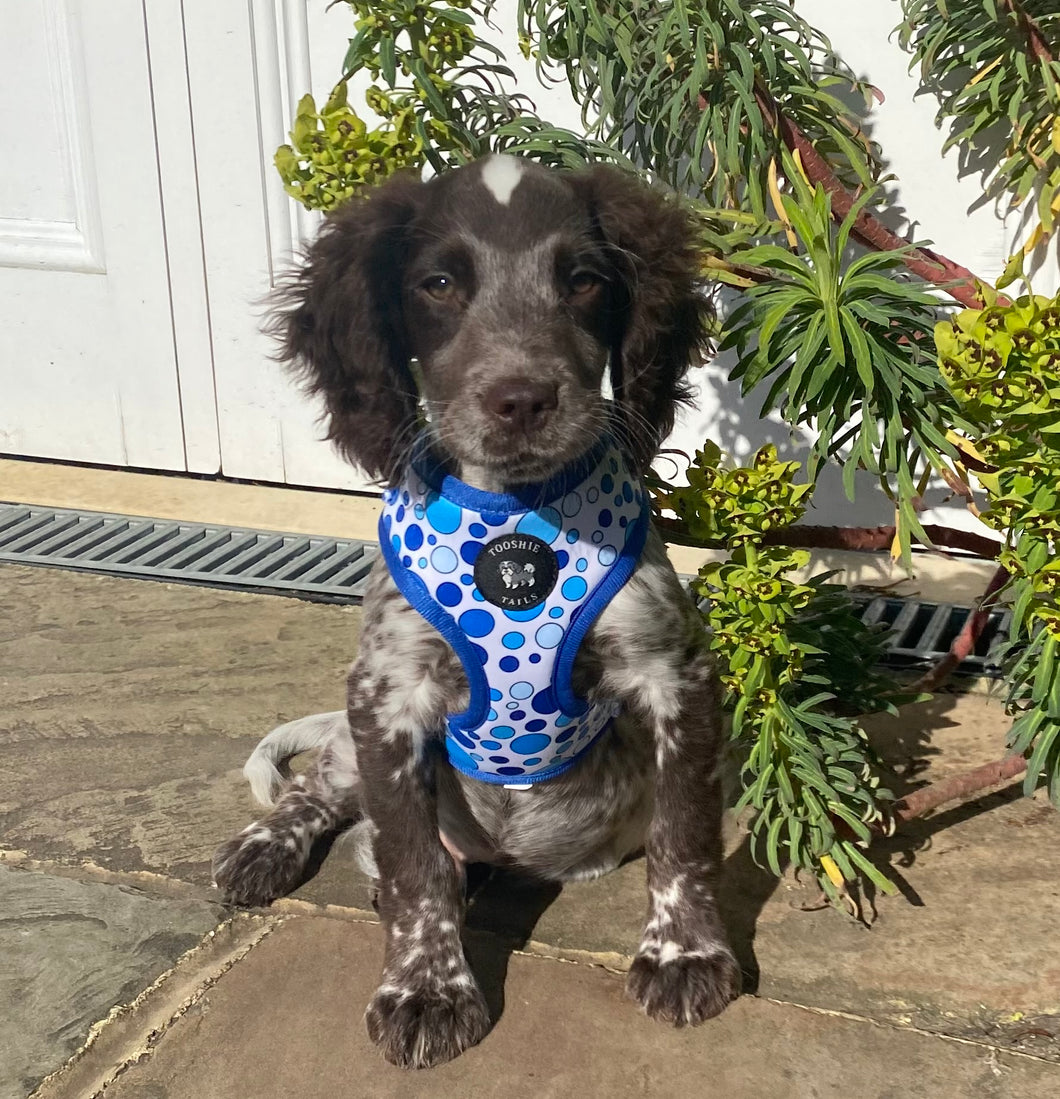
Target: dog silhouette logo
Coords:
[(515, 575)]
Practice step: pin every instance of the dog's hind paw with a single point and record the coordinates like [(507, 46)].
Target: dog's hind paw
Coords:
[(258, 865), (419, 1027), (684, 987)]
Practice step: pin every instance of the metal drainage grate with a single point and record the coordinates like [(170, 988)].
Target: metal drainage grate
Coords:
[(920, 633), (197, 553), (337, 569)]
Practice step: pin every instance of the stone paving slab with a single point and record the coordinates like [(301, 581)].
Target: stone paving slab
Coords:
[(130, 707), (287, 1021), (69, 952)]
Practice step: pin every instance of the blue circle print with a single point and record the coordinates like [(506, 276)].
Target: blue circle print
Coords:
[(476, 623), (442, 515), (508, 663), (511, 706), (572, 536), (606, 518), (535, 658), (571, 504), (495, 694), (517, 715), (478, 596), (627, 492), (477, 530), (513, 640), (418, 511), (545, 523), (556, 612), (549, 635), (582, 565), (395, 541), (449, 595), (545, 702), (562, 557), (406, 560), (432, 540), (470, 550), (607, 555), (574, 588), (510, 771), (467, 579), (566, 734), (598, 536), (413, 537), (387, 522), (525, 616), (521, 690), (492, 519), (530, 743), (592, 495), (492, 745), (422, 563), (536, 725), (399, 515), (480, 652), (607, 482), (533, 762), (498, 759), (491, 716), (503, 732), (443, 559)]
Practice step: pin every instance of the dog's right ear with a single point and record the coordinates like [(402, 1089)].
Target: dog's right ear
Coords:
[(339, 325)]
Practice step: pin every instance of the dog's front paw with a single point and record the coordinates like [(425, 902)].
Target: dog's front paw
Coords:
[(422, 1026), (684, 987), (257, 866)]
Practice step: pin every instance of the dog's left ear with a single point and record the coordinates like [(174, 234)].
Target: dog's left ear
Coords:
[(664, 314)]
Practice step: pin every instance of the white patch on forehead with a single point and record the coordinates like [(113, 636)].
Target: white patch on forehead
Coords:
[(501, 175)]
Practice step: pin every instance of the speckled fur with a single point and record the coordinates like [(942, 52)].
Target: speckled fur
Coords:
[(650, 783)]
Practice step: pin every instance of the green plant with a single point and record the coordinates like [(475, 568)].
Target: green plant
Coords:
[(745, 107), (1003, 366), (808, 771), (993, 70)]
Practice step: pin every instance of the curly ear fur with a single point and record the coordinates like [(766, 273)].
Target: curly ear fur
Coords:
[(340, 325), (665, 313)]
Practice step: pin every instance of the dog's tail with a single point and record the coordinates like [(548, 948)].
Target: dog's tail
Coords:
[(261, 770)]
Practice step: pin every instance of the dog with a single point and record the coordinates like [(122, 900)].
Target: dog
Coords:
[(515, 575), (499, 302)]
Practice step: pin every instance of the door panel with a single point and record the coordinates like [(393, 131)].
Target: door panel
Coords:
[(87, 363)]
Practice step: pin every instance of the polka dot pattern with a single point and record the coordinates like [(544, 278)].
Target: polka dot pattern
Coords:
[(522, 732)]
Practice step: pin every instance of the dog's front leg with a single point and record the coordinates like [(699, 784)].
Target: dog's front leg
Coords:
[(685, 971), (428, 1008), (655, 657)]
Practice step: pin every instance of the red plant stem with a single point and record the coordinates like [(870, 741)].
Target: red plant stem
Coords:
[(1035, 39), (869, 539), (858, 539), (965, 641), (931, 797), (957, 281)]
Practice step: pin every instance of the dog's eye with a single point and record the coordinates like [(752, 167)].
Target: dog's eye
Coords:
[(581, 282), (440, 287)]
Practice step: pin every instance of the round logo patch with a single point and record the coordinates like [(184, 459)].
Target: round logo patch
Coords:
[(516, 571)]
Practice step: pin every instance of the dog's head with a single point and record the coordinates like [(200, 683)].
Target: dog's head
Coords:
[(515, 287)]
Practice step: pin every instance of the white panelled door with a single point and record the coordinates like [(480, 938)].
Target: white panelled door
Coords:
[(87, 358), (248, 64)]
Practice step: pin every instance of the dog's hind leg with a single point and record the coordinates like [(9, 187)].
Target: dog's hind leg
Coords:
[(268, 858)]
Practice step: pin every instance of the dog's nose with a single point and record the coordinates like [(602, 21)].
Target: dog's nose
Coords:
[(521, 403)]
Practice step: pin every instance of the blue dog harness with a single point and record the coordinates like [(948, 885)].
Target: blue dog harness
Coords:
[(513, 583)]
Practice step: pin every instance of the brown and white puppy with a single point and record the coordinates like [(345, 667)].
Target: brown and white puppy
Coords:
[(519, 291)]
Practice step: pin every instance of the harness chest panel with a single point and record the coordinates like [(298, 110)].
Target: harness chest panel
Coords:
[(513, 583)]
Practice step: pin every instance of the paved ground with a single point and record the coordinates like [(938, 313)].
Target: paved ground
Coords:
[(127, 710)]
